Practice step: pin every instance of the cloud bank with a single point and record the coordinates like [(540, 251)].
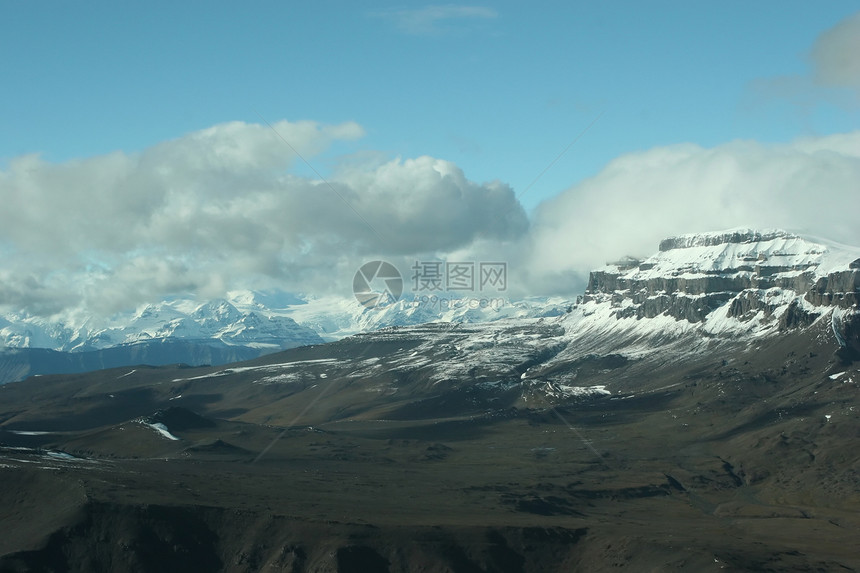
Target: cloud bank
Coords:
[(219, 209), (811, 186)]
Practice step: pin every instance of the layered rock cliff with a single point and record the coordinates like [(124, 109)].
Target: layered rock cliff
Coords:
[(737, 281)]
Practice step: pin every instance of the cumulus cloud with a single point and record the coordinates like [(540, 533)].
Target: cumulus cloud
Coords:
[(436, 19), (811, 186), (219, 209)]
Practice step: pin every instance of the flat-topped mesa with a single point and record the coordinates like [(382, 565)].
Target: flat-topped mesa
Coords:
[(719, 238), (788, 279)]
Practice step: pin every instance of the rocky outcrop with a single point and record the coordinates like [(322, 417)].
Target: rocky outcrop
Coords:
[(838, 289), (720, 238)]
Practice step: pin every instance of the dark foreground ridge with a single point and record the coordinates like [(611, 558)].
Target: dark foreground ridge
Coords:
[(363, 455)]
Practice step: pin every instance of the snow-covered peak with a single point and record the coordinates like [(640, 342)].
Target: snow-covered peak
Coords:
[(336, 317), (217, 321), (218, 310), (739, 251)]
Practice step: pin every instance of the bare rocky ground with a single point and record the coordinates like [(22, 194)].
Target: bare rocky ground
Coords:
[(373, 455)]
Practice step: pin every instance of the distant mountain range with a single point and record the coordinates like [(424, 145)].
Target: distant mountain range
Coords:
[(741, 282), (246, 325)]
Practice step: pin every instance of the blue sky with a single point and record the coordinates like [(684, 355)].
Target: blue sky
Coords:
[(135, 161), (500, 90)]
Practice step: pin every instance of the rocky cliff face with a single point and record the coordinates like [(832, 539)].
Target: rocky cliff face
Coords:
[(737, 280)]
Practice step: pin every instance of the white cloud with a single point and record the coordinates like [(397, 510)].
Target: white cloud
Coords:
[(218, 209), (436, 19), (811, 185)]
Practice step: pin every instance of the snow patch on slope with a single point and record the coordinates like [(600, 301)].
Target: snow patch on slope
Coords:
[(162, 429)]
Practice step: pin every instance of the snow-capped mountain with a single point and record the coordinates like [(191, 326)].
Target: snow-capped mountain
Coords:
[(217, 322), (177, 331), (726, 285), (257, 319), (334, 318)]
